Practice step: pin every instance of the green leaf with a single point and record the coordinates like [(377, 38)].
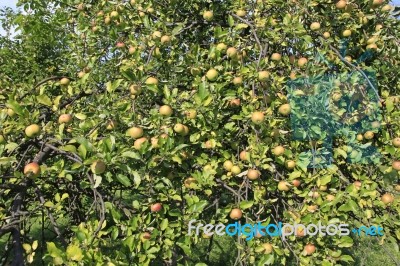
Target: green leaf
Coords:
[(164, 224), (231, 21), (44, 99), (267, 259), (389, 105), (53, 250), (346, 258), (136, 178), (6, 160), (350, 205), (80, 116), (82, 151), (325, 180), (345, 242), (184, 247), (124, 180), (198, 207), (246, 204), (177, 29), (15, 107), (131, 154)]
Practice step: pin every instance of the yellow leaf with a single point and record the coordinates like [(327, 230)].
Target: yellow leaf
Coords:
[(74, 253), (27, 247), (35, 245), (49, 204)]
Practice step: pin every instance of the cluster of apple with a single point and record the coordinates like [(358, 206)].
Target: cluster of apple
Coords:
[(347, 8)]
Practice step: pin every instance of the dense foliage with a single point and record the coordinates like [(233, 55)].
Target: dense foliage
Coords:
[(122, 121)]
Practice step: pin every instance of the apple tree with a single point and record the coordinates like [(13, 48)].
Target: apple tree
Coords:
[(122, 121)]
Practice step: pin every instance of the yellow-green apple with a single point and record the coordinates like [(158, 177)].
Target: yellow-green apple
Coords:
[(278, 150), (191, 114), (156, 207), (346, 33), (209, 144), (290, 164), (165, 39), (139, 142), (396, 142), (326, 35), (112, 124), (244, 155), (98, 167), (228, 165), (284, 109), (312, 208), (253, 174), (387, 8), (152, 81), (179, 128), (208, 15), (387, 198), (309, 249), (131, 50), (166, 110), (330, 197), (341, 4), (263, 75), (237, 80), (145, 236), (231, 52), (241, 13), (257, 117), (212, 74), (188, 181), (120, 45), (135, 89), (32, 130), (369, 135), (315, 26), (64, 81), (135, 132), (154, 142), (234, 102), (268, 248), (156, 34), (396, 165), (236, 214), (221, 47), (235, 170), (32, 170), (10, 112), (302, 62), (114, 14), (276, 57), (65, 118), (283, 186), (296, 183)]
